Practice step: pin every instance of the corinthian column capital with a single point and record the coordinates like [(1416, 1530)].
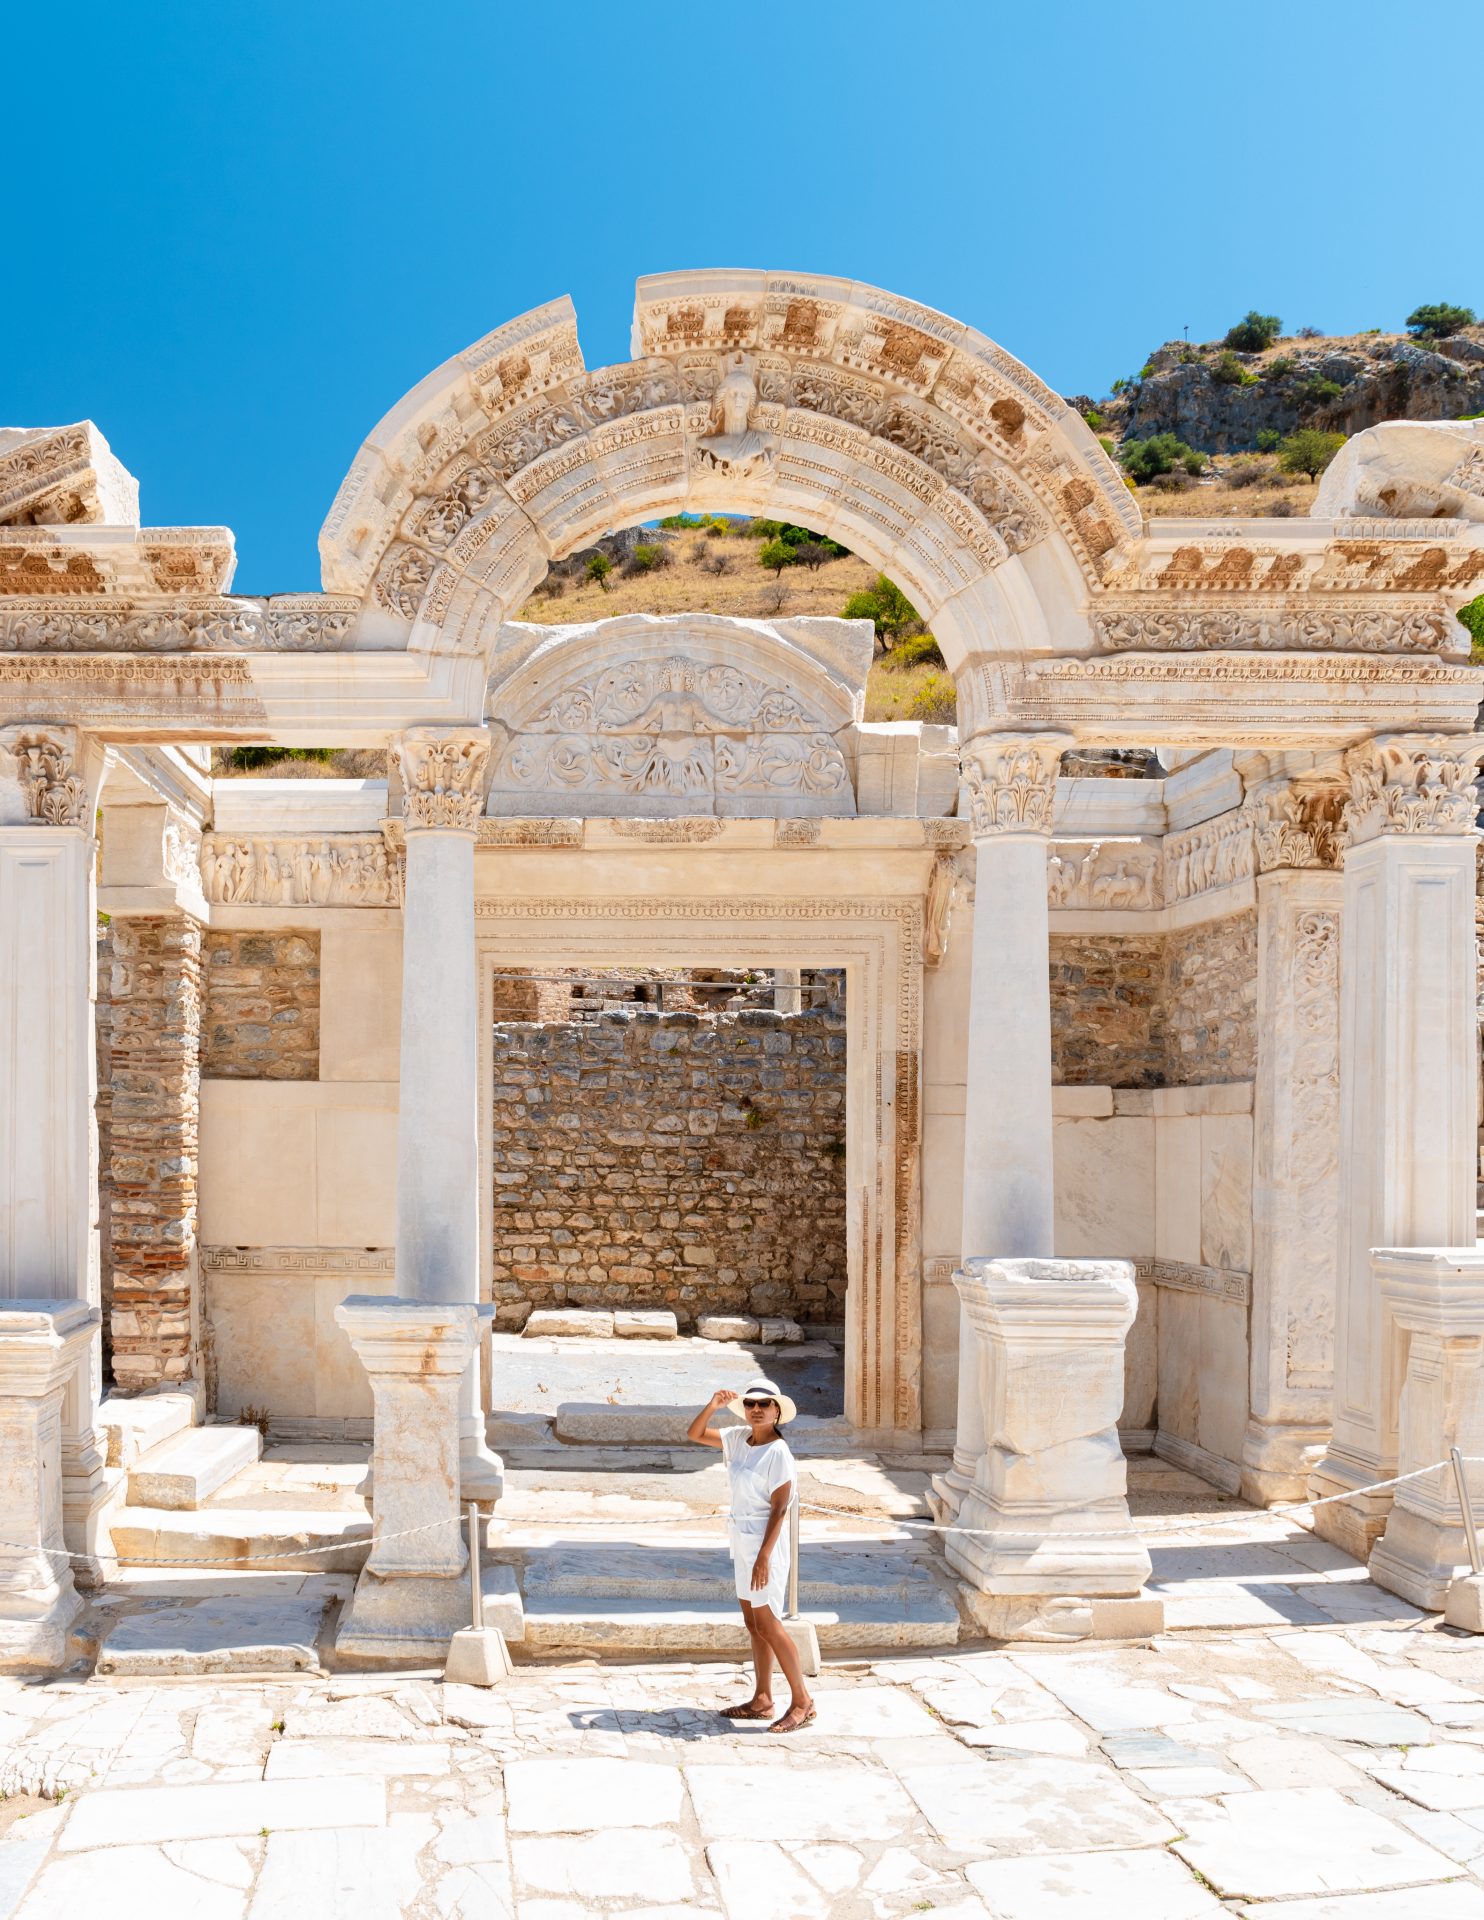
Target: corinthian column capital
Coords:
[(48, 763), (443, 773), (1011, 778), (1412, 784)]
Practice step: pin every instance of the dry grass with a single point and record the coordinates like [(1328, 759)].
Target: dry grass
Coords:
[(1281, 495), (911, 693), (745, 591)]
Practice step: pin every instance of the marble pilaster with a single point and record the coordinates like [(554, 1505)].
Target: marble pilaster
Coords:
[(1008, 1206), (443, 774), (1408, 1086)]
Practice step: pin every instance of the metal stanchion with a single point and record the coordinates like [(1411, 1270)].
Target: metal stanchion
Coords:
[(793, 1557), (1470, 1531), (476, 1591)]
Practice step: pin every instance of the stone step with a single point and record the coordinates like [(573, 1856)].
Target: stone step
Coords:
[(829, 1576), (640, 1626), (132, 1427), (186, 1470), (278, 1540)]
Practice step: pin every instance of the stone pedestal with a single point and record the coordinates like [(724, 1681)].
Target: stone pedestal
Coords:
[(42, 1345), (48, 1172), (1433, 1301), (1408, 1085), (1009, 1196), (442, 773), (1295, 1175), (1050, 1339), (413, 1592)]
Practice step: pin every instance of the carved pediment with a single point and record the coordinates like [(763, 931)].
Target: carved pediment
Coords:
[(645, 716)]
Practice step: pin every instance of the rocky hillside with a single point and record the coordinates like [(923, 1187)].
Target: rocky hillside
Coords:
[(1219, 400)]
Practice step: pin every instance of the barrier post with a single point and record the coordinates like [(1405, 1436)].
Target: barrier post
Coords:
[(1470, 1531), (476, 1591)]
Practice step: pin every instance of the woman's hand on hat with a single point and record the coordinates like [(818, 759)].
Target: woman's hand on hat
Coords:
[(723, 1397)]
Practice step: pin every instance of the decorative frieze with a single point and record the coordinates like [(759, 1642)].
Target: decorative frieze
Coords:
[(1180, 1276), (1412, 784), (1110, 874), (1011, 781), (1378, 628), (351, 1261), (1215, 854), (300, 870), (443, 775)]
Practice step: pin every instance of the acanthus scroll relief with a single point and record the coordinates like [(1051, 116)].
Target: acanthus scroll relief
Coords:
[(442, 778), (1297, 826), (1011, 778), (1308, 1200), (1408, 784), (43, 760)]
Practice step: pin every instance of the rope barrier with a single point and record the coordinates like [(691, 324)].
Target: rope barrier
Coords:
[(1185, 1524)]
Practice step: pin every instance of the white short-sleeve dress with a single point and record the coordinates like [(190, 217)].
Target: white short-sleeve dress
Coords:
[(756, 1474)]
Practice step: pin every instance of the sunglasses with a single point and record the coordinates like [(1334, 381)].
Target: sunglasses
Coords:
[(756, 1405)]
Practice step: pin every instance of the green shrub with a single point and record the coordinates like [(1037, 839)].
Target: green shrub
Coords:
[(917, 650), (1316, 390), (885, 606), (683, 522), (646, 559), (1093, 418), (1268, 439), (1160, 453), (775, 556), (1472, 617), (246, 759), (1439, 319), (935, 702), (1276, 369), (1309, 451), (1228, 371), (598, 568), (1253, 332)]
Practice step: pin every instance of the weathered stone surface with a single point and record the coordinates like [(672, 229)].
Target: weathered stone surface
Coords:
[(123, 1816), (644, 1323), (588, 1322), (1034, 1805), (262, 1006), (218, 1636), (727, 1326), (1305, 1840), (184, 1471), (1137, 1884), (560, 1796)]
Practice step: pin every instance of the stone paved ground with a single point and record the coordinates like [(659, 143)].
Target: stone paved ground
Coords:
[(1329, 1772)]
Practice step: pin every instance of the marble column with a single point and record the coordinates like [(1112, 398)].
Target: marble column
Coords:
[(443, 776), (412, 1595), (1010, 780), (49, 777), (1433, 1299), (1296, 1130), (43, 1343), (1408, 1087), (1049, 1500)]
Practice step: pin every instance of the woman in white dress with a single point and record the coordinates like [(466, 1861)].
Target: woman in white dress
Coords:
[(760, 1470)]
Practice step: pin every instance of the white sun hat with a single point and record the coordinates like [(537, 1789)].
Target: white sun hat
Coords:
[(756, 1389)]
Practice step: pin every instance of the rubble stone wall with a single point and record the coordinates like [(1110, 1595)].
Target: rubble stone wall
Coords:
[(677, 1160), (149, 1017), (1175, 1010), (262, 1006)]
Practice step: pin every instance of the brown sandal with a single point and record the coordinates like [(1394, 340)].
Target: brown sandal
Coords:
[(745, 1710), (786, 1723)]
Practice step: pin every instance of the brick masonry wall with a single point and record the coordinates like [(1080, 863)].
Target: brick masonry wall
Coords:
[(681, 1160), (149, 1017), (1175, 1010), (262, 1006)]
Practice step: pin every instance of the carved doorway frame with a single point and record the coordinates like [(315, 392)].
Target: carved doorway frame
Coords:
[(878, 943)]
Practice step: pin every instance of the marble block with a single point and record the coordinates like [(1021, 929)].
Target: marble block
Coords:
[(41, 1345)]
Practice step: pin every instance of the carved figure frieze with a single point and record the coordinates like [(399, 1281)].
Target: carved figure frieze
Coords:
[(300, 870), (443, 777), (1102, 874), (1217, 853), (734, 448), (43, 760), (1011, 780), (1409, 784)]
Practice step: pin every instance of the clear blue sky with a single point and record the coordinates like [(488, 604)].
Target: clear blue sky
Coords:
[(238, 233)]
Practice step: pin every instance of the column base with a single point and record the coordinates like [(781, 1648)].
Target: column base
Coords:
[(947, 1492), (37, 1642), (1033, 1555), (1354, 1526), (1063, 1616), (1278, 1461), (1418, 1559), (409, 1621)]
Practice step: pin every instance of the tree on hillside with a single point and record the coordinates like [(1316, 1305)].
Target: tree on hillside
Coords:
[(886, 607), (1439, 319), (1253, 332), (1309, 451), (1160, 453), (599, 568), (776, 555)]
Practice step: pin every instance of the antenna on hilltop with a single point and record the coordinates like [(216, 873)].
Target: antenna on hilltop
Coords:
[(1186, 331)]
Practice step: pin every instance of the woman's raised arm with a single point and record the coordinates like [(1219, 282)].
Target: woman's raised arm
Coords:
[(698, 1430)]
